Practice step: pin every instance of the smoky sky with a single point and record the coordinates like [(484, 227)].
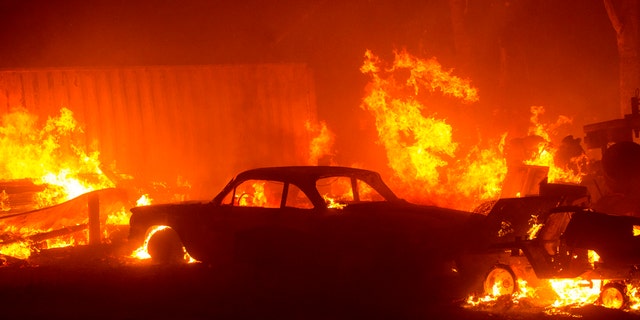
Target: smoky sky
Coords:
[(560, 54)]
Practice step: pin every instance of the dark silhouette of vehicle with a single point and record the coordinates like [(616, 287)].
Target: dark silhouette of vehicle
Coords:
[(546, 237), (305, 214)]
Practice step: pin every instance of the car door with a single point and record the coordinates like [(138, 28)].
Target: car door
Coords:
[(269, 220)]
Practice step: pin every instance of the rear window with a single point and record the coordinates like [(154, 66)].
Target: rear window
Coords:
[(340, 190)]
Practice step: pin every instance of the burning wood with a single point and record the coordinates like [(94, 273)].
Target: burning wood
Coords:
[(46, 227), (18, 196)]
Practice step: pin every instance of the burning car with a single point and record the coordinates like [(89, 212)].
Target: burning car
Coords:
[(296, 214), (544, 237)]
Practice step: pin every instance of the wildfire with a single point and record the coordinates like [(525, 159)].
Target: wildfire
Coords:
[(51, 156), (321, 143), (535, 227), (554, 294), (144, 200), (546, 155), (332, 203), (428, 164), (575, 292), (420, 146)]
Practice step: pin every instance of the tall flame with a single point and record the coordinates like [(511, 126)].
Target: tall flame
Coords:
[(420, 147), (322, 142), (546, 154), (50, 155)]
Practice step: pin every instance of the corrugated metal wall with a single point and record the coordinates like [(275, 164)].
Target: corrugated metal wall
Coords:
[(203, 123)]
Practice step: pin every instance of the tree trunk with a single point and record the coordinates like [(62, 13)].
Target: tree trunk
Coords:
[(624, 15)]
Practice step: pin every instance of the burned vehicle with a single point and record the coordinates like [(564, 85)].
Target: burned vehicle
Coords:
[(315, 214), (545, 237)]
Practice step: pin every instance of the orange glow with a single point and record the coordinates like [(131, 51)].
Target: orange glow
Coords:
[(593, 257), (634, 296), (575, 292), (321, 143), (119, 217), (420, 147), (144, 200), (332, 204), (51, 155), (524, 291), (546, 151), (535, 227), (20, 250), (142, 252), (258, 198)]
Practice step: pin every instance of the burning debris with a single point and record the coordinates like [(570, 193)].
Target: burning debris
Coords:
[(424, 156), (53, 191), (427, 161), (51, 155)]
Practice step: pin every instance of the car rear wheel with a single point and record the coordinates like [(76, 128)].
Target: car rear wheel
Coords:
[(500, 281), (614, 296), (165, 247)]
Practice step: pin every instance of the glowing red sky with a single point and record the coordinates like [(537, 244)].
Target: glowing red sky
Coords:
[(562, 54)]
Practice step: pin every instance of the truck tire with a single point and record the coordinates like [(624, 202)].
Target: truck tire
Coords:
[(500, 281)]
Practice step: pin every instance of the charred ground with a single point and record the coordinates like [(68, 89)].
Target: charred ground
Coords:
[(102, 282)]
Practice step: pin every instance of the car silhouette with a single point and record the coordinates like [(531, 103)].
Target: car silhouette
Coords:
[(548, 236), (316, 215)]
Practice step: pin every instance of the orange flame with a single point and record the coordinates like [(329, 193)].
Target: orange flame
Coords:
[(420, 147), (49, 155), (547, 153), (321, 143), (142, 252), (575, 291)]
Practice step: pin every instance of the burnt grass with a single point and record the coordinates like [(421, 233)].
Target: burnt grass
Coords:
[(102, 282)]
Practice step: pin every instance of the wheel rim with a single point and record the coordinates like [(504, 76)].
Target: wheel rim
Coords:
[(612, 297), (499, 282)]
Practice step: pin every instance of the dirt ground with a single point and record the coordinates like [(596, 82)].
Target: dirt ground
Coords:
[(102, 283)]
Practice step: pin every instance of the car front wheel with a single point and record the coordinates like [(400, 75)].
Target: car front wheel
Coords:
[(165, 247)]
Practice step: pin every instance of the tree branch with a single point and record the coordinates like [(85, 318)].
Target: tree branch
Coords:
[(613, 16)]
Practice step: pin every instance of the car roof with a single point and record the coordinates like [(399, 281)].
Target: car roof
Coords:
[(303, 172), (306, 176)]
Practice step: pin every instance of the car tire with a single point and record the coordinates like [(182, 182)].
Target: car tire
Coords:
[(500, 281), (614, 296), (165, 247)]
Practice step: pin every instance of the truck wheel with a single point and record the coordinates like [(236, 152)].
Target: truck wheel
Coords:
[(614, 296), (165, 247), (500, 281)]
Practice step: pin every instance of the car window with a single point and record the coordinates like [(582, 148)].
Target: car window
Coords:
[(367, 193), (338, 191), (335, 190), (297, 199), (258, 193)]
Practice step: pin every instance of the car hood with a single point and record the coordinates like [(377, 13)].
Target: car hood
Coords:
[(168, 206)]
